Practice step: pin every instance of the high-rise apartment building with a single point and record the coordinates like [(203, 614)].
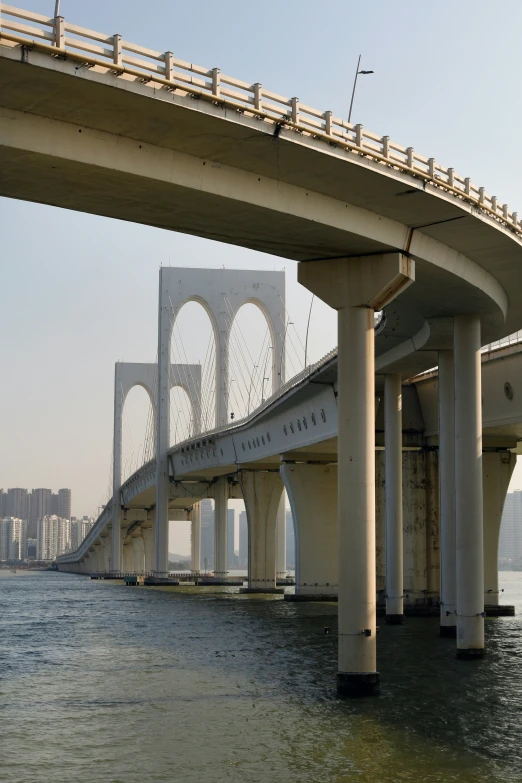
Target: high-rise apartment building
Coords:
[(53, 537), (19, 539), (13, 539), (6, 528), (61, 504), (39, 507), (17, 503), (79, 529)]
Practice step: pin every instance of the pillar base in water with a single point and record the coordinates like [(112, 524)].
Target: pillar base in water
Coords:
[(353, 685), (309, 597), (163, 581), (277, 590), (500, 610), (471, 654), (448, 631), (394, 619)]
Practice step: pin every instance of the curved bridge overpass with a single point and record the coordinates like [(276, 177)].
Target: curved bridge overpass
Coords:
[(115, 129)]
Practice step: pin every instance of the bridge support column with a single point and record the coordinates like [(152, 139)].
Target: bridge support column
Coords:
[(281, 539), (393, 488), (138, 554), (195, 538), (262, 492), (148, 546), (448, 551), (161, 528), (116, 477), (98, 549), (220, 527), (468, 487), (128, 557), (106, 543), (356, 287), (312, 493), (497, 469)]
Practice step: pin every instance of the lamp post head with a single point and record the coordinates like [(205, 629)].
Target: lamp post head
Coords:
[(365, 72)]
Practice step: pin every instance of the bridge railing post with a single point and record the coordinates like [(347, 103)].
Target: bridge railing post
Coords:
[(59, 32), (117, 49), (328, 123), (169, 65), (258, 96), (216, 82)]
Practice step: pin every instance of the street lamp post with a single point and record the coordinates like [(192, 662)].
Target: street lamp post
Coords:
[(357, 72)]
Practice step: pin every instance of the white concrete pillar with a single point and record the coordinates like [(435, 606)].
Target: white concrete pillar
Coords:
[(195, 538), (138, 554), (262, 491), (380, 527), (431, 457), (448, 551), (98, 549), (497, 468), (281, 538), (107, 553), (312, 493), (356, 287), (161, 529), (468, 487), (128, 557), (414, 527), (393, 488), (220, 527), (148, 545), (356, 497), (116, 475)]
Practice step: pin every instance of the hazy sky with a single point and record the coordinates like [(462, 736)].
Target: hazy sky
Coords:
[(80, 292)]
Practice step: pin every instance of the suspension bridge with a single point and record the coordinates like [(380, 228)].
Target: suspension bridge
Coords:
[(96, 123)]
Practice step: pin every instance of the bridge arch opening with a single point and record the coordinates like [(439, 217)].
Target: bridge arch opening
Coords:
[(254, 368), (137, 430), (192, 343)]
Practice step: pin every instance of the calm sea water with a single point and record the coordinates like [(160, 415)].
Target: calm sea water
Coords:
[(102, 682)]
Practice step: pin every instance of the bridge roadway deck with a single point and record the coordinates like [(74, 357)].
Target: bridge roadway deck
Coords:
[(101, 140), (195, 464)]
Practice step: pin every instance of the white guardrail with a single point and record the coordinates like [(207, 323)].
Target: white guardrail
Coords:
[(113, 54)]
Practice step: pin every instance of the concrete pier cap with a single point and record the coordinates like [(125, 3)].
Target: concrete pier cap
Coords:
[(356, 287)]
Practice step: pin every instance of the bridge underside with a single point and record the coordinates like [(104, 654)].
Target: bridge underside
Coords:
[(91, 141)]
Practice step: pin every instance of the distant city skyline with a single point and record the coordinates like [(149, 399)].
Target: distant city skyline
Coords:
[(32, 505)]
